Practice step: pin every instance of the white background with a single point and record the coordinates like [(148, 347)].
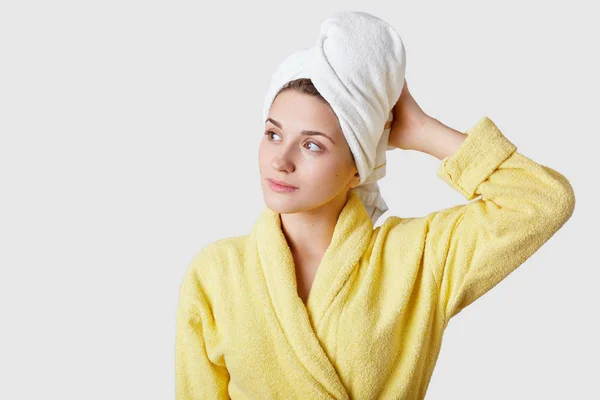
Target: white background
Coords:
[(129, 141)]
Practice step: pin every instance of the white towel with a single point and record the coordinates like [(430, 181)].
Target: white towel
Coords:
[(358, 66)]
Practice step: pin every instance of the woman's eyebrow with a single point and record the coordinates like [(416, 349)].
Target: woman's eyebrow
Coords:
[(305, 132)]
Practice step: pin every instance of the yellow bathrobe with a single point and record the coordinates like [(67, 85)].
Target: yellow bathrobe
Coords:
[(381, 298)]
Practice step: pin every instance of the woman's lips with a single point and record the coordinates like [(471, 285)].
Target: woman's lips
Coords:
[(280, 187)]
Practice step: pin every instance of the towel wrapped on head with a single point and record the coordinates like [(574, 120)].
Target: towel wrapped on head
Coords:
[(358, 66)]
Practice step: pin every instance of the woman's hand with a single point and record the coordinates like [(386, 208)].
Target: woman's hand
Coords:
[(408, 123)]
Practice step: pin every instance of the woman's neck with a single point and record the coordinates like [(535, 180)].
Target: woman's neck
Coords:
[(309, 233)]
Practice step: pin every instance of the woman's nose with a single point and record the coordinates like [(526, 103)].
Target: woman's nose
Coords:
[(283, 160)]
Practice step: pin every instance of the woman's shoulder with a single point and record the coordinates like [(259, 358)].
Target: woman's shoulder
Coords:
[(394, 222), (229, 246), (212, 263), (396, 229), (218, 253)]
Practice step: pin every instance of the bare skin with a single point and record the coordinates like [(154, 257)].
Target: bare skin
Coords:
[(412, 129), (323, 170)]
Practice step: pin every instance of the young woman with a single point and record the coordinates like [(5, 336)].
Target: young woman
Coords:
[(315, 303)]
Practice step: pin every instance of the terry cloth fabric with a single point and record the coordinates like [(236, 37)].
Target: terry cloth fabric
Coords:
[(358, 66), (373, 323)]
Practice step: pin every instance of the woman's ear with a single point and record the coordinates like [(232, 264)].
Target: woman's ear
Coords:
[(355, 180)]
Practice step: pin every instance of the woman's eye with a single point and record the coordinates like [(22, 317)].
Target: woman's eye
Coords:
[(316, 146), (269, 133)]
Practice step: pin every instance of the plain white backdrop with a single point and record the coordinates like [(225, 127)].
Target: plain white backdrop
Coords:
[(129, 141)]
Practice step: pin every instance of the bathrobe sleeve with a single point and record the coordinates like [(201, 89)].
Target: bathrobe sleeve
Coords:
[(196, 375), (470, 248)]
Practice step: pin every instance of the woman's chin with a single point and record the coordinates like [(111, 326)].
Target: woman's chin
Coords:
[(281, 204)]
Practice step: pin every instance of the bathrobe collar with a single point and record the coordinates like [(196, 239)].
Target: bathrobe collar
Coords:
[(300, 323)]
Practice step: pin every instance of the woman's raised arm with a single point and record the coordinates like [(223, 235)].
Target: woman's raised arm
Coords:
[(470, 248)]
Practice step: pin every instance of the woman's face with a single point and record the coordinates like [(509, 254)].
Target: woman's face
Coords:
[(320, 167)]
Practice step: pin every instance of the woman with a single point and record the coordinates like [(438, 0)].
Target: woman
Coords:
[(315, 303)]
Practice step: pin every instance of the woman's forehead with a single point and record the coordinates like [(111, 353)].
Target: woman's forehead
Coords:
[(297, 111)]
